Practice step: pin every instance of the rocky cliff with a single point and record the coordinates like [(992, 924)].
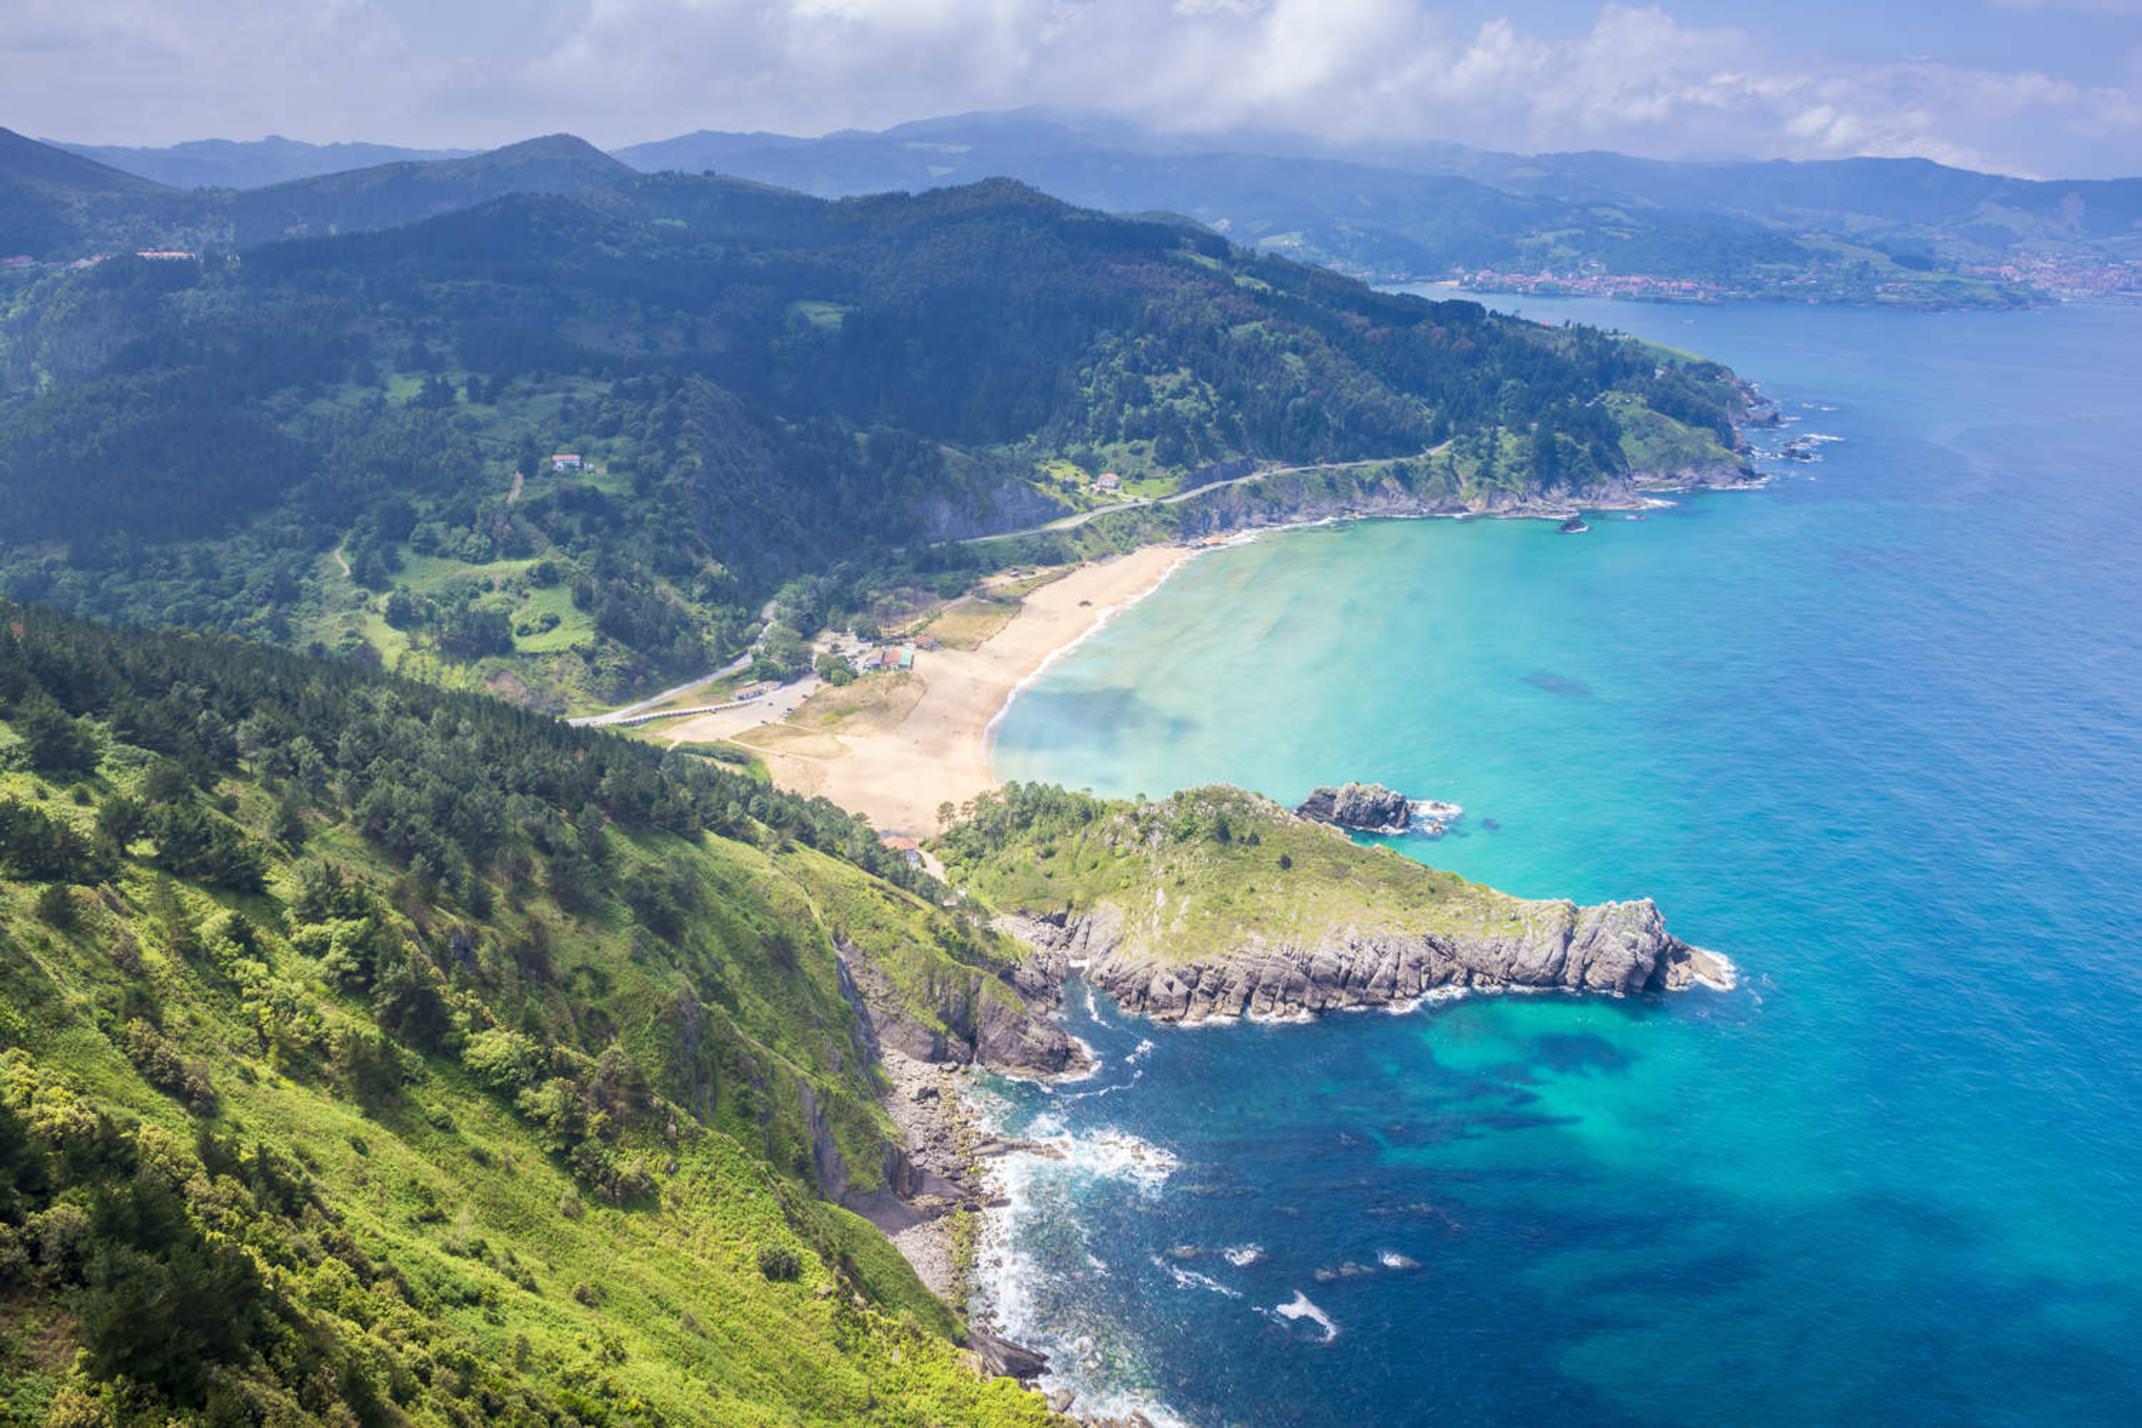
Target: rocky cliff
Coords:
[(1370, 807), (1616, 948), (975, 1017)]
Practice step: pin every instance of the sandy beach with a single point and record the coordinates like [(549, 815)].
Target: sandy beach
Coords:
[(924, 740)]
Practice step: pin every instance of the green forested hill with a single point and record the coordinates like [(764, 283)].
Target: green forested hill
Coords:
[(55, 203), (345, 440), (375, 1054)]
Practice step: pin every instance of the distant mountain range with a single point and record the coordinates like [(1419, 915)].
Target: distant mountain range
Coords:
[(1854, 229), (55, 203), (256, 163), (1890, 230)]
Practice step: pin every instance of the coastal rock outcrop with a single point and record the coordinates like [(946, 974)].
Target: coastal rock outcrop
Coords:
[(1615, 948), (1287, 498), (1002, 1023), (1368, 807)]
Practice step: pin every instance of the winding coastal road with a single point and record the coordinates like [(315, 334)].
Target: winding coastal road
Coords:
[(734, 666), (1073, 522)]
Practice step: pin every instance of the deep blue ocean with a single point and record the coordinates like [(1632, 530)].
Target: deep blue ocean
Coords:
[(1875, 732)]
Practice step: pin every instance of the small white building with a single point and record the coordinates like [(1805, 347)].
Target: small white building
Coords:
[(1109, 481), (566, 461)]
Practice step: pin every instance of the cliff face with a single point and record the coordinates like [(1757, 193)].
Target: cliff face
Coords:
[(964, 1018), (1617, 948)]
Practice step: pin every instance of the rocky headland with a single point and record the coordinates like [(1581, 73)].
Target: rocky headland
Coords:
[(1615, 949), (1218, 904)]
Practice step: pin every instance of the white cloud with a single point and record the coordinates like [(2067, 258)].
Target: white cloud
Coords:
[(2087, 7), (1637, 78), (129, 70)]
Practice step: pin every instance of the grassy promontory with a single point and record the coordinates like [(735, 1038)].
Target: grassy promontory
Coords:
[(1203, 873), (1218, 902)]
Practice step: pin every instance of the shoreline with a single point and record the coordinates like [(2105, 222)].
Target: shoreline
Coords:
[(896, 765)]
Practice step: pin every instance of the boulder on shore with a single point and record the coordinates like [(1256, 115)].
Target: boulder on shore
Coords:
[(1369, 807)]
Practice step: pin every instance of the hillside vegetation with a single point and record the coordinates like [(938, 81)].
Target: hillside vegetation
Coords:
[(343, 442), (375, 1054)]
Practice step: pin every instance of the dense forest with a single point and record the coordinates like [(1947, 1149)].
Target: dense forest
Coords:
[(344, 442), (371, 1053)]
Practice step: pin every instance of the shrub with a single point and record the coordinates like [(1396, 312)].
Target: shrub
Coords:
[(780, 1264), (55, 907), (163, 1067)]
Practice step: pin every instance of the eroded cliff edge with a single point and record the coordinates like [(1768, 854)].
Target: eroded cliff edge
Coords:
[(1617, 948)]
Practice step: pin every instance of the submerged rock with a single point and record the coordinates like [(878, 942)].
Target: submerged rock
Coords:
[(1368, 807)]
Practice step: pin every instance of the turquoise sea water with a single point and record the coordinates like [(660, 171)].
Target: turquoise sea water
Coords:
[(1875, 732)]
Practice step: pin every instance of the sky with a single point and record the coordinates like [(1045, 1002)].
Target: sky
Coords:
[(2036, 87)]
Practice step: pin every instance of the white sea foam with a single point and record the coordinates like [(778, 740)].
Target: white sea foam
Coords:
[(1299, 1308), (1431, 818), (1094, 1011), (1392, 1259), (1136, 1076), (1242, 1256), (1144, 1049), (1028, 1306), (1093, 1066), (1191, 1279)]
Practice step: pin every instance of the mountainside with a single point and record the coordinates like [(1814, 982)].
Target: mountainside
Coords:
[(373, 1054), (1992, 208), (255, 163), (1895, 230), (53, 202), (389, 195), (346, 442), (62, 205)]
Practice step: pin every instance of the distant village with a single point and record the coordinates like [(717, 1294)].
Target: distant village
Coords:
[(2062, 277), (2072, 278)]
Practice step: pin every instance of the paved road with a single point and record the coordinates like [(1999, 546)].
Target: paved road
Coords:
[(1066, 523), (734, 666)]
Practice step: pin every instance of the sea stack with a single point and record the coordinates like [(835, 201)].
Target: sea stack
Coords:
[(1367, 807)]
